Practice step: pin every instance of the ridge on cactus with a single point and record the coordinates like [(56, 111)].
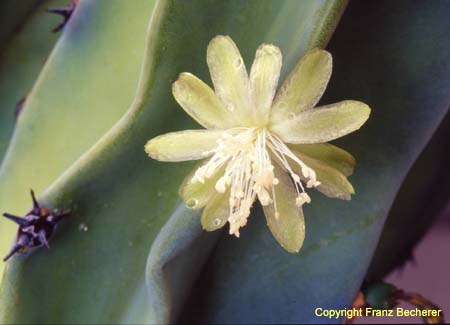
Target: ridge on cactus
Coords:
[(261, 144)]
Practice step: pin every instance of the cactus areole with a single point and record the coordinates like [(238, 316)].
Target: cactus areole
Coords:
[(35, 228)]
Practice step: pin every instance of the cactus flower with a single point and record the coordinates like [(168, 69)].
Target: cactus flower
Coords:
[(260, 143)]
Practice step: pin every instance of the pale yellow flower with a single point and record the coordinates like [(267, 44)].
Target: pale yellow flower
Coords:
[(260, 144)]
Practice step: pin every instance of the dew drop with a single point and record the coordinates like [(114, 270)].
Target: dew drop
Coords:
[(191, 203), (291, 116), (82, 227), (230, 107), (282, 105), (238, 63), (217, 222)]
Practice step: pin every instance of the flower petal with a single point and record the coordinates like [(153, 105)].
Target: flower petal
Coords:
[(216, 213), (229, 76), (195, 194), (304, 86), (201, 103), (323, 124), (183, 145), (332, 182), (289, 227), (264, 76), (329, 154)]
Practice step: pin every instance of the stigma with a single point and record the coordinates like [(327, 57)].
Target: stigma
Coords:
[(246, 156)]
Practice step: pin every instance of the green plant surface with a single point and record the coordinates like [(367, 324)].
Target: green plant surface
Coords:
[(121, 199), (22, 60), (424, 83), (421, 199), (12, 15), (132, 253), (85, 86)]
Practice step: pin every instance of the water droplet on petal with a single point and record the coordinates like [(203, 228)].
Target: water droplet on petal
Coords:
[(238, 63), (217, 222), (291, 116), (282, 105), (191, 203), (230, 107)]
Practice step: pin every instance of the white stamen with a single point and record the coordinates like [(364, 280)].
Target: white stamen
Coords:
[(302, 198), (249, 172)]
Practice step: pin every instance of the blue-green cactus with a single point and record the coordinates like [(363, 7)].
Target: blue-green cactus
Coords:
[(131, 252)]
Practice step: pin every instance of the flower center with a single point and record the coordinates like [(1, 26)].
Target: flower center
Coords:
[(246, 155)]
